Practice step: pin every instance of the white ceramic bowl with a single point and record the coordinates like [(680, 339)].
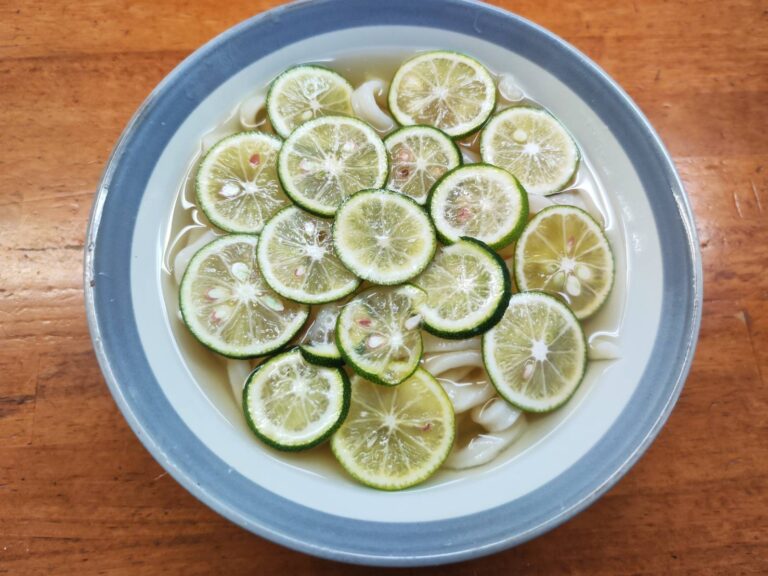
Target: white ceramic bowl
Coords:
[(193, 427)]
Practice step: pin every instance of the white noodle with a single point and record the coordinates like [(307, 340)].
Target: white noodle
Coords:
[(237, 373), (495, 415), (434, 344), (457, 374), (484, 447), (366, 107), (509, 90), (488, 410), (249, 111), (439, 363), (182, 259), (466, 395), (601, 348)]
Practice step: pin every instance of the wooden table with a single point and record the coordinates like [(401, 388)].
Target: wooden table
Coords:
[(79, 493)]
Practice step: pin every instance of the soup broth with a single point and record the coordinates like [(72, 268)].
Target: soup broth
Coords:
[(187, 224)]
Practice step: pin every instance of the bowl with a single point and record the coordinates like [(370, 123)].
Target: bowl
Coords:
[(194, 430)]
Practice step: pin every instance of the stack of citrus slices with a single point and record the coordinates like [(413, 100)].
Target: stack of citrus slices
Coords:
[(384, 239)]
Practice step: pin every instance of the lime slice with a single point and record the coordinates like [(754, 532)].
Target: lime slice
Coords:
[(537, 354), (468, 288), (228, 306), (293, 405), (378, 333), (447, 90), (297, 259), (328, 159), (563, 251), (305, 92), (397, 437), (420, 155), (383, 236), (534, 146), (318, 344), (479, 201), (237, 185)]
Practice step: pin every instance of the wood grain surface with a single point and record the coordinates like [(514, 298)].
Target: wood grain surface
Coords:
[(78, 492)]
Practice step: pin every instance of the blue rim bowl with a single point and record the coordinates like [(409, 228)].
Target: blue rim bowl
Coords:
[(151, 416)]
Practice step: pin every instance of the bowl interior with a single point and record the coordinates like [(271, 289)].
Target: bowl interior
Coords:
[(551, 445)]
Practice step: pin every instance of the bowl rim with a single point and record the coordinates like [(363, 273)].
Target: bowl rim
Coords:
[(463, 16)]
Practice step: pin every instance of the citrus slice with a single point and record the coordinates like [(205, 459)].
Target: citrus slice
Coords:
[(467, 287), (479, 201), (237, 185), (305, 92), (419, 155), (397, 437), (228, 306), (537, 354), (378, 333), (293, 405), (318, 344), (383, 236), (326, 160), (532, 145), (447, 90), (297, 258), (563, 251)]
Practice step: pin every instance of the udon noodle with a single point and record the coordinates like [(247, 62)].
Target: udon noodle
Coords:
[(250, 112), (366, 106)]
